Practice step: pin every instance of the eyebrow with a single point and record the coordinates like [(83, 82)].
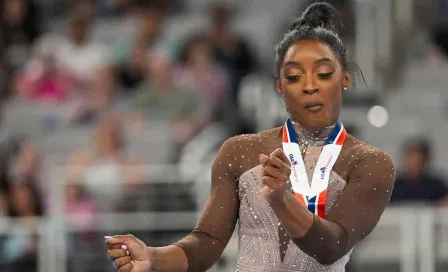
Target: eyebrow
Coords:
[(297, 63)]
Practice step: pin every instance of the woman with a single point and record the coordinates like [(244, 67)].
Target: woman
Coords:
[(336, 193), (105, 171)]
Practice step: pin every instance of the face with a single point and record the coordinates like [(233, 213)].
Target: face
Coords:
[(23, 200), (29, 159), (199, 54), (152, 21), (78, 32), (311, 81), (159, 69), (106, 137), (414, 162), (14, 10), (219, 17)]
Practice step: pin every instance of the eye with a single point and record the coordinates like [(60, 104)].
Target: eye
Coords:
[(325, 75), (293, 78)]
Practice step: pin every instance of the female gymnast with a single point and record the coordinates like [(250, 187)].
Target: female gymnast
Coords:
[(303, 194)]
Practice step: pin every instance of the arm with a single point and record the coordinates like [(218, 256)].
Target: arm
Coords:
[(202, 248), (353, 216)]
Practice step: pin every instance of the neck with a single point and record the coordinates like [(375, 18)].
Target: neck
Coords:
[(312, 136)]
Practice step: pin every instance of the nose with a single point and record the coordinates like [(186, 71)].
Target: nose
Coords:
[(310, 86)]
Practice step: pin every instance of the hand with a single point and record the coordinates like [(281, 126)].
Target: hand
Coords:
[(275, 172), (128, 253)]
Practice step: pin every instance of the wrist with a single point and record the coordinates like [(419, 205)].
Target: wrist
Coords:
[(278, 202), (152, 252)]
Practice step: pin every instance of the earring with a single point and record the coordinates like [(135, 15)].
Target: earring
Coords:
[(345, 88)]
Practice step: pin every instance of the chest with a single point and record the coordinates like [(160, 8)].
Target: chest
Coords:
[(250, 183)]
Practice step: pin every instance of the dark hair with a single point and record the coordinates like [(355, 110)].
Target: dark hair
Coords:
[(35, 195), (183, 57), (319, 22), (420, 144)]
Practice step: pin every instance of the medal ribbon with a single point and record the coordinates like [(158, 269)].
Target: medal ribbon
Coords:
[(313, 196)]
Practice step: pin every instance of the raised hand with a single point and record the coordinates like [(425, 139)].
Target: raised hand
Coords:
[(276, 169), (128, 253)]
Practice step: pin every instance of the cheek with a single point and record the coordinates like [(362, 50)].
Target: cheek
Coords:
[(332, 91)]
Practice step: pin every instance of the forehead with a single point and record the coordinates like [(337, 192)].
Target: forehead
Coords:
[(305, 51)]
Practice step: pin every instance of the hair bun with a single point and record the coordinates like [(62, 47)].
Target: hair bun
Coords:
[(319, 14)]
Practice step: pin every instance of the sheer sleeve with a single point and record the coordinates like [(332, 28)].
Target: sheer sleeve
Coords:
[(206, 243), (357, 211)]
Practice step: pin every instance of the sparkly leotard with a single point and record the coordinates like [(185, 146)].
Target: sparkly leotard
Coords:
[(359, 189)]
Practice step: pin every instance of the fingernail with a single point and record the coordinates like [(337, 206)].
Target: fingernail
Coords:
[(127, 252), (132, 262), (124, 247), (107, 237)]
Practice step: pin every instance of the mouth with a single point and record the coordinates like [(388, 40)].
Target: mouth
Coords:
[(314, 106)]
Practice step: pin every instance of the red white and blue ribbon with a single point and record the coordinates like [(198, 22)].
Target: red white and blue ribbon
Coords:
[(313, 195)]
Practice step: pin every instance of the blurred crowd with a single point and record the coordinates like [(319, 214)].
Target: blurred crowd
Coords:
[(132, 85), (143, 79)]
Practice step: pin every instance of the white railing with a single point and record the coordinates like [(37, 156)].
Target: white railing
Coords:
[(413, 248)]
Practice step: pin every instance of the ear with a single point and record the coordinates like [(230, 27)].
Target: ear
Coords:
[(347, 80), (279, 87)]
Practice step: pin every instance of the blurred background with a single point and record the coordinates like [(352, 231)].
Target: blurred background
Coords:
[(112, 112)]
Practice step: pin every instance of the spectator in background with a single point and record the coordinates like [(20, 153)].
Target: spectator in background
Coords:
[(99, 97), (129, 56), (440, 31), (28, 165), (43, 80), (19, 27), (20, 248), (230, 50), (417, 183), (160, 98), (4, 75), (198, 71), (77, 53), (105, 170), (5, 184)]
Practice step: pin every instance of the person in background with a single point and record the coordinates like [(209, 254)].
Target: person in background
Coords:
[(78, 53), (19, 27), (20, 248), (439, 34), (129, 56), (417, 183), (159, 97), (199, 71), (105, 171), (230, 50), (5, 184), (4, 73), (28, 165), (99, 98), (43, 81)]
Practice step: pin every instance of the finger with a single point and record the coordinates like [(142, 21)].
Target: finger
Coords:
[(127, 267), (275, 162), (263, 159), (284, 168), (118, 239), (122, 261), (274, 173), (281, 155), (117, 253), (269, 182), (110, 246)]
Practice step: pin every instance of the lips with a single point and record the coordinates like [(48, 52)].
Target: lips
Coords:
[(314, 106)]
